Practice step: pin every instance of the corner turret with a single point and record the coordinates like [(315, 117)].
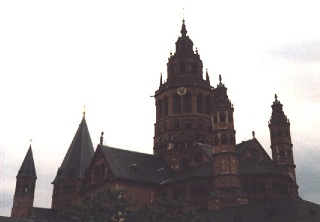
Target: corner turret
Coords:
[(281, 145)]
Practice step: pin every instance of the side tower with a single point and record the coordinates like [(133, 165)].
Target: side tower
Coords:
[(70, 175), (227, 190), (25, 186), (280, 137), (183, 105)]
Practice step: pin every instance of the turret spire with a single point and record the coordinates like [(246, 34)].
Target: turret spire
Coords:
[(183, 29), (160, 79)]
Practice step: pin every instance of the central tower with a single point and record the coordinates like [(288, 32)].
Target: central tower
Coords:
[(183, 105)]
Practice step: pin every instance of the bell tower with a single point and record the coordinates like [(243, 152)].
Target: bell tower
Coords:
[(183, 105), (227, 190), (281, 144), (25, 187)]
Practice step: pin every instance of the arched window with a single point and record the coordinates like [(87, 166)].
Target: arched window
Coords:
[(187, 103), (159, 108), (183, 68), (224, 140), (194, 68), (176, 103), (208, 105), (222, 117), (199, 103), (165, 106)]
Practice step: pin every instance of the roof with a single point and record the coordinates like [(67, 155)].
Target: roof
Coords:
[(138, 167), (202, 170), (27, 168), (284, 210), (78, 156), (254, 166)]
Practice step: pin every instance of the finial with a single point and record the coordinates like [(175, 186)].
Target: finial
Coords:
[(101, 138), (276, 97), (160, 78), (253, 134), (84, 110), (220, 79), (207, 75), (170, 53), (30, 142), (183, 29), (196, 50)]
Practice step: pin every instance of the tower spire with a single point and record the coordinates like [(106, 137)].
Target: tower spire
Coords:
[(183, 29)]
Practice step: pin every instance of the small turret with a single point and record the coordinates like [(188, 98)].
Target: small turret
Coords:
[(227, 190), (281, 145)]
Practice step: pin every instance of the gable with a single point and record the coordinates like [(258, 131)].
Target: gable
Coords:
[(252, 149)]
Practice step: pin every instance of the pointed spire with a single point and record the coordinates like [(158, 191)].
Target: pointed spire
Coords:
[(27, 168), (78, 156), (160, 79), (183, 29), (207, 76)]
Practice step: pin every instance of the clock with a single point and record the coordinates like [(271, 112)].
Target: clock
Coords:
[(182, 91)]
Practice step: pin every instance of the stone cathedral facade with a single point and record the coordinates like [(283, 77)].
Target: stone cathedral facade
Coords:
[(195, 156)]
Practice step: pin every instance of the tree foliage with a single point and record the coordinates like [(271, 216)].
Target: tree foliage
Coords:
[(111, 205), (165, 209)]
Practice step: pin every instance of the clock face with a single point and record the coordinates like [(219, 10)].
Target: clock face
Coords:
[(182, 91)]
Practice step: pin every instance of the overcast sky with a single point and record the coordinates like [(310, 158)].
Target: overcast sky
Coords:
[(56, 56)]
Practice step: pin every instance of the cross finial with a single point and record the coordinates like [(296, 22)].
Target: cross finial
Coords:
[(183, 12), (84, 110)]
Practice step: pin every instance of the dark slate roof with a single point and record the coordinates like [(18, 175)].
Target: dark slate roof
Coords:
[(79, 154), (43, 214), (202, 170), (284, 210), (139, 167), (27, 168), (254, 166)]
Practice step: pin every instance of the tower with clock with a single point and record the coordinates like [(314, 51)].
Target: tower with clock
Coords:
[(183, 105)]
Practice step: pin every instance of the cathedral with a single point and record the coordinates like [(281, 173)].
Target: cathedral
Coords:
[(195, 156)]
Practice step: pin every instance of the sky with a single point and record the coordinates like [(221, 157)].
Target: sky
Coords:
[(57, 56)]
